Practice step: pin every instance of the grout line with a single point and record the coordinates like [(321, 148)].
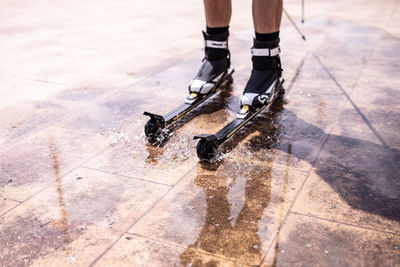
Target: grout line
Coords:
[(374, 46), (296, 75), (307, 172), (162, 241), (126, 176), (59, 120), (364, 118), (73, 113), (37, 80), (139, 218), (273, 164), (10, 199), (14, 200), (344, 223), (169, 243), (282, 205), (50, 184), (300, 189), (327, 138), (101, 99), (5, 197), (25, 200)]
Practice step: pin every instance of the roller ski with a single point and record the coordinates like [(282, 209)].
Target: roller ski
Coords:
[(213, 75), (264, 87)]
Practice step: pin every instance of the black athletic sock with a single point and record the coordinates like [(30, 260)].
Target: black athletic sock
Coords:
[(217, 34), (267, 36), (265, 40), (217, 30)]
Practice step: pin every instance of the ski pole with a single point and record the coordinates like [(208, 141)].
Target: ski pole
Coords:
[(302, 11), (294, 24)]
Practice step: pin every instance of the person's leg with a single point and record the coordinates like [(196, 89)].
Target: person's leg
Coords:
[(267, 15), (267, 70), (214, 67), (218, 13)]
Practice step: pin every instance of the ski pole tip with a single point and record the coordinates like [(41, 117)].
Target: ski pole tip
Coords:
[(304, 38)]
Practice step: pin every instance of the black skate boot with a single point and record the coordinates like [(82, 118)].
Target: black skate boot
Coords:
[(214, 69), (264, 78)]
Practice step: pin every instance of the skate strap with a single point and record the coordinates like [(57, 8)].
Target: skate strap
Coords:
[(216, 44), (265, 52)]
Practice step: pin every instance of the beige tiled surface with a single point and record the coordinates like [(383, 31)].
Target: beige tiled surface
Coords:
[(75, 218), (306, 240), (33, 163), (7, 204), (232, 210), (80, 186), (133, 250), (355, 178)]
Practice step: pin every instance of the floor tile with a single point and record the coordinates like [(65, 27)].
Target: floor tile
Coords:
[(311, 241), (75, 219)]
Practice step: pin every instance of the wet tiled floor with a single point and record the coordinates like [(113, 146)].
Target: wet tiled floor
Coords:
[(314, 181)]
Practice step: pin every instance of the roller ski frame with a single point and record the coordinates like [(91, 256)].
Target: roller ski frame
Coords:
[(208, 144), (158, 125)]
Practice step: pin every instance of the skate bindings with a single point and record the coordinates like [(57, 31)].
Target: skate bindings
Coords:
[(264, 79), (214, 69)]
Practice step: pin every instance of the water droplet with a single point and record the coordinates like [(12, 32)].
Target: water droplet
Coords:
[(282, 251), (326, 252), (71, 258), (255, 246), (308, 245)]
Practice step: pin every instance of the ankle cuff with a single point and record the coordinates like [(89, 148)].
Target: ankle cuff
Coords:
[(216, 30), (216, 37), (266, 44)]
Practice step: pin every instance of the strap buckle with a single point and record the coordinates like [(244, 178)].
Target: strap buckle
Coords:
[(216, 44), (265, 52)]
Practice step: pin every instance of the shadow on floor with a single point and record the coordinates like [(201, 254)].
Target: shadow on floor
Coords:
[(364, 174)]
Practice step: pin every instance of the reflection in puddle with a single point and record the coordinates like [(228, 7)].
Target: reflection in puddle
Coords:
[(221, 234), (227, 233), (283, 199), (64, 215), (154, 154), (321, 111)]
